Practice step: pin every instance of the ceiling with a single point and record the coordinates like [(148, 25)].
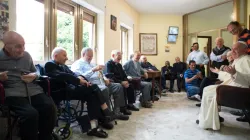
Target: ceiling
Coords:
[(179, 7)]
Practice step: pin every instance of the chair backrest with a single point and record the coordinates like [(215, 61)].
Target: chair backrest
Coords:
[(40, 69)]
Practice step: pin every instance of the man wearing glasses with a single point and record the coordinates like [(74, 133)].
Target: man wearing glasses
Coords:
[(235, 28)]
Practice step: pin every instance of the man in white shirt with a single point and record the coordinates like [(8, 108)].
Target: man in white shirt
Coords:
[(93, 73), (199, 57)]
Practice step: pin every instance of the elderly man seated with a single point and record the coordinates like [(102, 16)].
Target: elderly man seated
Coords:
[(191, 76), (35, 110), (237, 75), (167, 74), (114, 67), (80, 89), (134, 70), (93, 73), (146, 65)]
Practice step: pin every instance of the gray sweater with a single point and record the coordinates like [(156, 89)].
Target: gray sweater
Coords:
[(14, 86)]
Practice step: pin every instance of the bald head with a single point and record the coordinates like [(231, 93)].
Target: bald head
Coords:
[(59, 55), (143, 59), (13, 44), (239, 49), (219, 42), (177, 59)]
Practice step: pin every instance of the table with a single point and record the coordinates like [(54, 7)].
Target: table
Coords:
[(155, 75)]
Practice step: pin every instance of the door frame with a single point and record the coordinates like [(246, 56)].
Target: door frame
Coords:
[(209, 50)]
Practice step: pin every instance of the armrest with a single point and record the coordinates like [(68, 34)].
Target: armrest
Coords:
[(218, 82), (44, 82), (235, 97)]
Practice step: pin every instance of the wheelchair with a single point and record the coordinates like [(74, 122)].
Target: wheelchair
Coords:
[(12, 119), (67, 111)]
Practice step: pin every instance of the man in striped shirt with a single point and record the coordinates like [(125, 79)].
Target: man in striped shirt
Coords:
[(192, 76), (235, 28)]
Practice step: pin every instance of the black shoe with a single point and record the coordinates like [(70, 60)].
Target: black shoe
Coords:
[(108, 115), (156, 98), (132, 107), (242, 119), (106, 125), (125, 111), (237, 113), (221, 119), (198, 105), (171, 91), (98, 133), (179, 90), (197, 121), (120, 116)]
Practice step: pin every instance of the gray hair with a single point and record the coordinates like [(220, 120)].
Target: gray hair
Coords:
[(85, 50), (56, 51), (115, 52)]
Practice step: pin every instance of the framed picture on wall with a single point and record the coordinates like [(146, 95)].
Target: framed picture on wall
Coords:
[(113, 23), (148, 43)]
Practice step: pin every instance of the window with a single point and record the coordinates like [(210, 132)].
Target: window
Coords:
[(45, 24), (124, 44), (30, 24), (66, 28)]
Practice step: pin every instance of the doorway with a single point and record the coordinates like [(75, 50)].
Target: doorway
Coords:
[(205, 45)]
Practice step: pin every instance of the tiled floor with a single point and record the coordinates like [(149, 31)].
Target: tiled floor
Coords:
[(172, 118)]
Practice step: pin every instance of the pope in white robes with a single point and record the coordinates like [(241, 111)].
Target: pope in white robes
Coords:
[(237, 75)]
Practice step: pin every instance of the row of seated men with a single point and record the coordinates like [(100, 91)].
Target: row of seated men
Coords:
[(37, 111), (168, 72), (230, 68)]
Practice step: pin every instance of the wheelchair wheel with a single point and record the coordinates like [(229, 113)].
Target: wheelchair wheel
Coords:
[(56, 136), (64, 132)]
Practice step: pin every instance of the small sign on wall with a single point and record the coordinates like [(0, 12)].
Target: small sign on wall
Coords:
[(167, 48)]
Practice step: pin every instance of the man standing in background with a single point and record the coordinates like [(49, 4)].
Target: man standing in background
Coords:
[(199, 57), (218, 55)]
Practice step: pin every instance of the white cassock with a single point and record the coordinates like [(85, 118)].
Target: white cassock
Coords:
[(209, 115)]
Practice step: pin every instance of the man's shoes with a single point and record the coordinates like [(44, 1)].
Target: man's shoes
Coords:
[(179, 90), (98, 133), (164, 91), (132, 107), (242, 119), (120, 116), (197, 121), (106, 125), (198, 105), (171, 91), (156, 98), (220, 118), (146, 104), (125, 111), (237, 113)]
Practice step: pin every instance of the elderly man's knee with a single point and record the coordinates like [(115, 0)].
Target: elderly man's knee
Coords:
[(30, 114)]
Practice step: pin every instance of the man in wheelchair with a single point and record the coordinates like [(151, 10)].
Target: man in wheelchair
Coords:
[(35, 110), (79, 89)]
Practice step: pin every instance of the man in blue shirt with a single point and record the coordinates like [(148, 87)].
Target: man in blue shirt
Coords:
[(192, 76), (93, 73)]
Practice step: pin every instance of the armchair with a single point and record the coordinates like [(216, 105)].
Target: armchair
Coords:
[(234, 97)]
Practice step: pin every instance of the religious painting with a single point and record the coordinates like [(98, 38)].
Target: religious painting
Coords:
[(113, 23)]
